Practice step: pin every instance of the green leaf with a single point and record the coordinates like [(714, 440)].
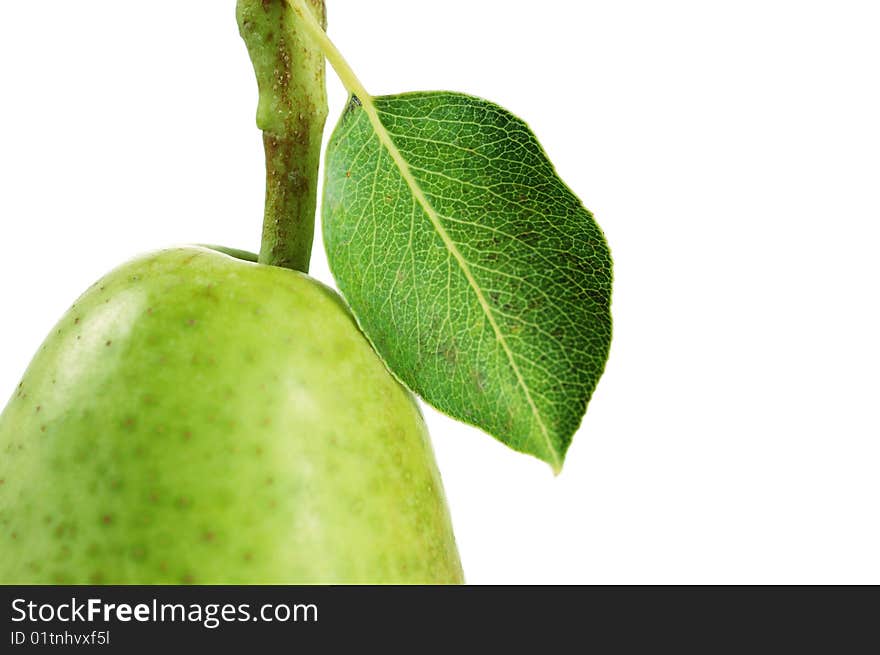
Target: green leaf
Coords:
[(474, 270)]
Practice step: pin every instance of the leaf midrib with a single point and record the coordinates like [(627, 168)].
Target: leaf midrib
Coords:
[(354, 86), (403, 167)]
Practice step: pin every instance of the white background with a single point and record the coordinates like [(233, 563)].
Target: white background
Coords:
[(730, 151)]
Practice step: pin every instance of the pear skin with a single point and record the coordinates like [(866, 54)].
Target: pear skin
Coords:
[(195, 418)]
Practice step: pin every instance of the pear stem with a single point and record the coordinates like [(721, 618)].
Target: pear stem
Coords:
[(291, 113)]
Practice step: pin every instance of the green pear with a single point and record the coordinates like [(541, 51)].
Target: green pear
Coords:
[(196, 418)]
